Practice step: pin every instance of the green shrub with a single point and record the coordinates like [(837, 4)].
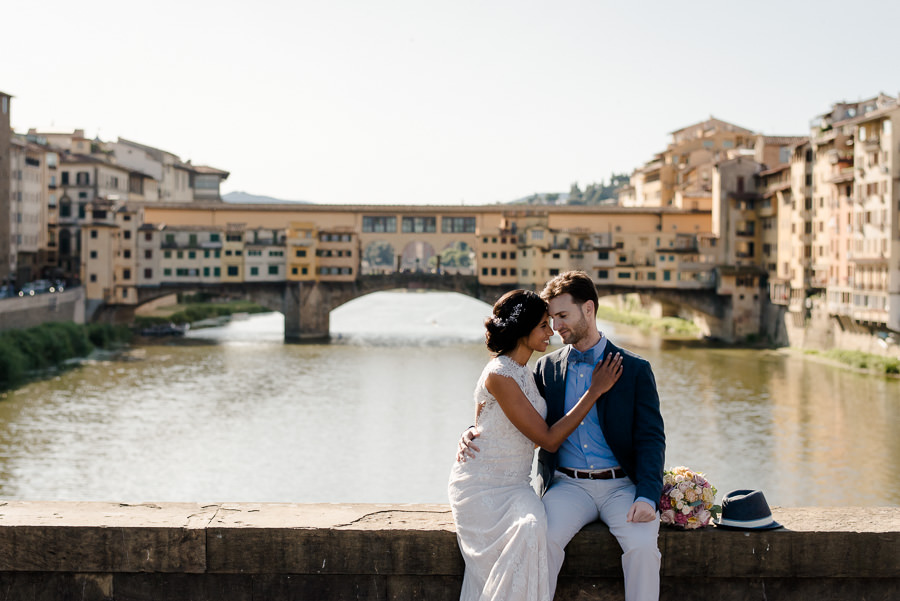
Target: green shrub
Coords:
[(667, 325), (50, 345), (56, 343), (12, 364), (30, 345), (143, 321), (200, 311), (861, 360)]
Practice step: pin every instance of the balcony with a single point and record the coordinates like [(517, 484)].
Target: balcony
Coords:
[(872, 143), (840, 176), (265, 243), (824, 134), (836, 156)]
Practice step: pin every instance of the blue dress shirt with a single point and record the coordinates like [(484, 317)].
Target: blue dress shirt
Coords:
[(586, 447)]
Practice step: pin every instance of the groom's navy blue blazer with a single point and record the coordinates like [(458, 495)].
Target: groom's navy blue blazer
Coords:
[(629, 417)]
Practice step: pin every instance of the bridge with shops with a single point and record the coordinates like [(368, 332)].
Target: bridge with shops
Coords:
[(307, 305)]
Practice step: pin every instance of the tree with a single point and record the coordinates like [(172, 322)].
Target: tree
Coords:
[(575, 196), (458, 255), (379, 254)]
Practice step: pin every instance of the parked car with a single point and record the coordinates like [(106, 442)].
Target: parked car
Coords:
[(38, 287)]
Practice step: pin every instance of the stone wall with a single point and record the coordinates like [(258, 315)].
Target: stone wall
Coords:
[(31, 311), (325, 552), (821, 331)]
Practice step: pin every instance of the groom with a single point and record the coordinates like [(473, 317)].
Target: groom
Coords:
[(611, 467)]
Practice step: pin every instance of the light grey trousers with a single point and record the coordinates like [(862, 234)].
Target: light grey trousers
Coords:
[(573, 503)]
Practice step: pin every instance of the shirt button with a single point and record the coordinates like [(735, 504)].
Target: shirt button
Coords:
[(582, 423), (592, 467), (580, 375), (585, 446)]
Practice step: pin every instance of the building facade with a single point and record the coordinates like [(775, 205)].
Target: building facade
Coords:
[(6, 267), (681, 175), (56, 182)]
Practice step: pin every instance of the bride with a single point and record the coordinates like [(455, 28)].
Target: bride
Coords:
[(500, 521)]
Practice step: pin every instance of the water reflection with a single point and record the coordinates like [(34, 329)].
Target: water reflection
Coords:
[(233, 414)]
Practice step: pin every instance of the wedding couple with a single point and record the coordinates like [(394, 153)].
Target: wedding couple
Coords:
[(594, 411)]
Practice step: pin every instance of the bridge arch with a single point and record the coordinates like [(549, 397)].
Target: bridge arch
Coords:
[(705, 308), (308, 316)]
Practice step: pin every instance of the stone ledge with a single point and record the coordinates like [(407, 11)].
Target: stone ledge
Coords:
[(276, 551)]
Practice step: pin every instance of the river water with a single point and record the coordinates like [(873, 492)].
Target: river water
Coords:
[(233, 414)]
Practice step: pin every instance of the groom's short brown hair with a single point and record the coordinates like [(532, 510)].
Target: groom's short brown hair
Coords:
[(577, 283)]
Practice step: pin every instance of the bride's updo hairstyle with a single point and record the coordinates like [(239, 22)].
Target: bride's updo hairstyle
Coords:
[(515, 315)]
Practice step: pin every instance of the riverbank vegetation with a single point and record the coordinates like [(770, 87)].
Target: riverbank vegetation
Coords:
[(24, 353), (193, 309), (667, 326), (861, 360)]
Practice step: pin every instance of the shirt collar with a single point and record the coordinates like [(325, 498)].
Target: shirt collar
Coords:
[(595, 353)]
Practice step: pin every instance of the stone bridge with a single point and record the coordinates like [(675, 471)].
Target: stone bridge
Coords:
[(307, 305)]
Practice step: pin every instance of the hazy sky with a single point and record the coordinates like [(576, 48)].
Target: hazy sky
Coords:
[(433, 102)]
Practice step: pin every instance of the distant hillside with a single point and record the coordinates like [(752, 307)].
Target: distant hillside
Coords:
[(239, 197), (594, 194), (541, 198)]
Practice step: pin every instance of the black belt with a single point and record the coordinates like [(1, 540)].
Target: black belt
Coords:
[(615, 472)]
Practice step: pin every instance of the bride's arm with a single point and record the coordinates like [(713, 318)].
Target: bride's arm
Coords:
[(529, 422)]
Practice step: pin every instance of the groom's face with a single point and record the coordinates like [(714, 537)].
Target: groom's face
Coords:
[(569, 318)]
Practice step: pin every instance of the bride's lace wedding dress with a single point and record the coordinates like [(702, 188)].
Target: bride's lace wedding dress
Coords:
[(500, 521)]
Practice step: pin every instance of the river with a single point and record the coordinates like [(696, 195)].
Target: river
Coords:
[(233, 414)]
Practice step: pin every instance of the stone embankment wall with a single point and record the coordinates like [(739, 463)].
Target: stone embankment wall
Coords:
[(31, 311), (337, 552), (823, 332)]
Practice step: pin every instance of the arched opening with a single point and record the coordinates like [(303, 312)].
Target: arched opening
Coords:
[(421, 317), (457, 257), (378, 258), (416, 256)]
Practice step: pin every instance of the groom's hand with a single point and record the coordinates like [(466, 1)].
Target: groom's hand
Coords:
[(641, 511), (466, 448)]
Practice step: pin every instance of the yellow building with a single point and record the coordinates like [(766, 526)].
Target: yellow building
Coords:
[(301, 242), (681, 175), (109, 258)]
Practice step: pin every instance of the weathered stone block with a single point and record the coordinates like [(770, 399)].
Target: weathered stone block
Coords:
[(181, 587), (56, 586), (103, 537)]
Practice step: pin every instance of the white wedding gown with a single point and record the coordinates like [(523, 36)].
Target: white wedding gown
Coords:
[(500, 521)]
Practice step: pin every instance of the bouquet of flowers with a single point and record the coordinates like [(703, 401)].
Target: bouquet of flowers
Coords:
[(687, 499)]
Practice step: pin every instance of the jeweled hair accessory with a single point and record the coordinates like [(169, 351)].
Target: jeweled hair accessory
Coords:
[(511, 318)]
